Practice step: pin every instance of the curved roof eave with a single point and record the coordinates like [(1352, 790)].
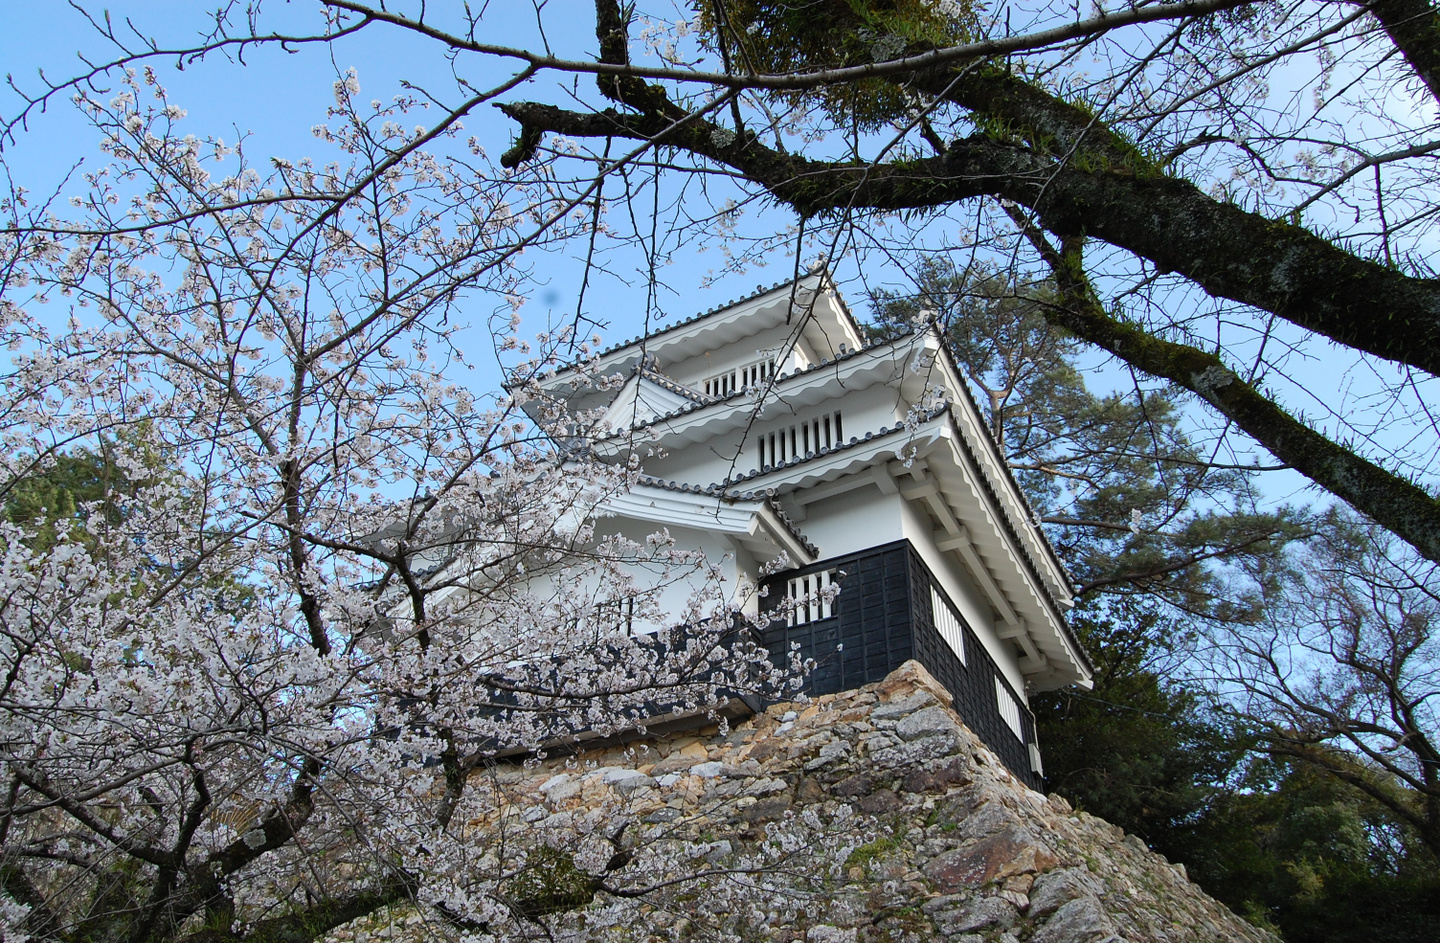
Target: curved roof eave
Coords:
[(728, 511), (999, 459), (785, 379), (820, 273)]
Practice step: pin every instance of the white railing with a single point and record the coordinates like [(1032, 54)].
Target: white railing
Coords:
[(799, 439)]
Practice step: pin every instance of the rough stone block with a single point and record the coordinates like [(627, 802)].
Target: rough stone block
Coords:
[(1082, 920), (880, 802), (628, 780), (905, 705), (1059, 887), (913, 753), (857, 785), (829, 753), (940, 779), (983, 913), (1006, 853), (909, 677), (931, 722)]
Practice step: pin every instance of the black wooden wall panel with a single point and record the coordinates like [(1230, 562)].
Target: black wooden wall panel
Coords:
[(971, 683), (867, 637), (882, 618)]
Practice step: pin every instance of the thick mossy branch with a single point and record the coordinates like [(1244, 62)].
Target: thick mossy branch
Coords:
[(1414, 27), (1078, 178), (309, 923), (1243, 256), (1046, 123), (524, 148), (612, 31), (1395, 502), (1227, 251)]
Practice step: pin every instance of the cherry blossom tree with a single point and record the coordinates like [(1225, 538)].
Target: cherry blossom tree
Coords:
[(246, 694)]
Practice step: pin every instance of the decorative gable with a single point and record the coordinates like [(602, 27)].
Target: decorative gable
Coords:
[(647, 396)]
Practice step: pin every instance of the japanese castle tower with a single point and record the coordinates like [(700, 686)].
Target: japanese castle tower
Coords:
[(779, 429)]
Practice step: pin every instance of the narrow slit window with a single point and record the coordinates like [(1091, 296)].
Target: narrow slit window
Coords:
[(749, 375), (1009, 709), (948, 624), (800, 440)]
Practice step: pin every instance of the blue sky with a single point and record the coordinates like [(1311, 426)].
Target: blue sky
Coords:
[(276, 97)]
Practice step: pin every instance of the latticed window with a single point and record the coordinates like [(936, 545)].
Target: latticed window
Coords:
[(752, 374), (947, 623), (1009, 709), (800, 439), (813, 600)]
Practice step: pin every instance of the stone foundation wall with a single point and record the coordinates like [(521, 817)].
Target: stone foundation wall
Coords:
[(868, 815)]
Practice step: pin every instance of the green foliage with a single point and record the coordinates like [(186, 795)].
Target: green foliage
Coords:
[(549, 883), (1137, 750), (59, 498), (72, 494), (869, 852), (1281, 842), (1315, 858), (67, 489), (779, 36)]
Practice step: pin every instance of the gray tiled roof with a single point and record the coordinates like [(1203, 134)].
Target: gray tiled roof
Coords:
[(719, 491), (659, 379), (717, 309)]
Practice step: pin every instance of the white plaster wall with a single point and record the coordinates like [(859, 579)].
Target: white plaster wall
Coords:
[(701, 463), (674, 595), (873, 405), (968, 598), (853, 521)]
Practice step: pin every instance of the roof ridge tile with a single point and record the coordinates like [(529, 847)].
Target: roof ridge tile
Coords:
[(760, 289)]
